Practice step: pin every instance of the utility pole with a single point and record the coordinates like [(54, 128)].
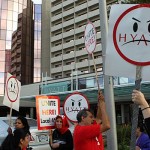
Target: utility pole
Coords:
[(108, 81)]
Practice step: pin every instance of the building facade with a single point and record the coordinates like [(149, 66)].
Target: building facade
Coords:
[(37, 43), (63, 48), (22, 49), (9, 11)]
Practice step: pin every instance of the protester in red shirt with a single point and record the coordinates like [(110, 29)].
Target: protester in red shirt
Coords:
[(87, 135)]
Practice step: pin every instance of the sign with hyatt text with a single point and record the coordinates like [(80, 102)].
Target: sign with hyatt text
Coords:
[(128, 43)]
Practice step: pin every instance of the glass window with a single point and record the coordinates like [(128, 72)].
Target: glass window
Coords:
[(1, 89), (39, 26), (15, 16), (38, 17), (21, 1), (2, 58), (82, 83), (39, 44), (9, 35), (2, 66), (20, 8), (39, 53), (9, 25), (0, 4), (10, 5), (3, 24), (14, 25), (101, 81), (123, 80), (3, 34), (35, 44), (37, 72), (35, 26), (16, 6), (35, 35), (37, 63), (38, 9), (90, 82), (1, 77), (8, 44), (25, 2), (35, 54), (39, 35), (2, 45), (4, 4), (4, 14), (9, 16), (37, 79)]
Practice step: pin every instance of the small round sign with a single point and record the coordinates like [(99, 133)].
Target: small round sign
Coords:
[(73, 104), (90, 37), (12, 89)]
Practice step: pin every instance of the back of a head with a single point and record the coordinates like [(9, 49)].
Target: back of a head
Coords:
[(24, 122), (141, 127), (12, 141), (82, 113)]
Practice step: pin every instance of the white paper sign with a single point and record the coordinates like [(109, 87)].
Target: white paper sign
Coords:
[(47, 108), (12, 92), (128, 43), (90, 37), (73, 104)]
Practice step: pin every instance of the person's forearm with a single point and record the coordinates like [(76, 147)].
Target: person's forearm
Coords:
[(145, 110), (105, 119)]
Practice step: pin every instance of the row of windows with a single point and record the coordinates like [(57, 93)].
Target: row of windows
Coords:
[(72, 16), (70, 61), (17, 5), (70, 39)]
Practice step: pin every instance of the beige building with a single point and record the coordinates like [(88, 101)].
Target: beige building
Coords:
[(63, 48)]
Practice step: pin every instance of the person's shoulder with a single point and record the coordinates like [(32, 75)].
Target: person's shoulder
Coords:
[(145, 136)]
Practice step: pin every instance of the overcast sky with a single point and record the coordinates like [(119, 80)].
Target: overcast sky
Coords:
[(37, 1)]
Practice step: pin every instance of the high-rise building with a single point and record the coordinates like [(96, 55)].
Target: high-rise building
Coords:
[(22, 50), (37, 42), (10, 24), (9, 10), (63, 48)]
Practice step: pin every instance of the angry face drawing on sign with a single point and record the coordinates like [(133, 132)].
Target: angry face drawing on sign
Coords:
[(131, 35), (73, 104), (12, 89)]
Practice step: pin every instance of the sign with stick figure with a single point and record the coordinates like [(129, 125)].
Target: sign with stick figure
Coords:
[(73, 104), (128, 43), (12, 92)]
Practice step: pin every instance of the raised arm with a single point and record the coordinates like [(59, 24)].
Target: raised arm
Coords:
[(102, 114), (138, 98)]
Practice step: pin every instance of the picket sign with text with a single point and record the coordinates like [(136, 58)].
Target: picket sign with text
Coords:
[(47, 108), (128, 43)]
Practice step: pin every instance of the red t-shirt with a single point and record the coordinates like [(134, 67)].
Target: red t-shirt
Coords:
[(88, 137)]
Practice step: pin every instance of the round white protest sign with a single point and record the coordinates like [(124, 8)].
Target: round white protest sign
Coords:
[(73, 104), (90, 37), (12, 89)]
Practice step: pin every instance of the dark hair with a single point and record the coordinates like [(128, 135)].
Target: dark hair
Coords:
[(141, 127), (82, 113), (24, 122), (12, 141)]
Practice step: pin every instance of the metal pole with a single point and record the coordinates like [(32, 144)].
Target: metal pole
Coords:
[(135, 109), (108, 82)]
